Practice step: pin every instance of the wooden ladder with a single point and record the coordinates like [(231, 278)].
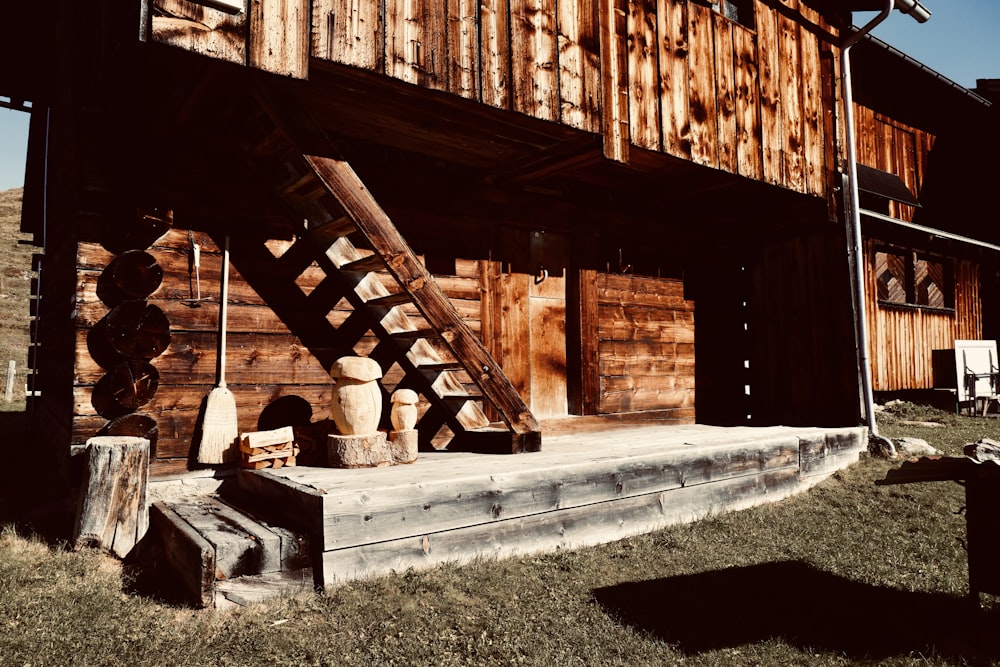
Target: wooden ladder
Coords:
[(366, 262)]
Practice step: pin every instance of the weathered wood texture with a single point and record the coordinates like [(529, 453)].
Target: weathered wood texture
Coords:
[(891, 146), (664, 75), (266, 363), (645, 350), (112, 513), (272, 35), (902, 338), (800, 372), (582, 489)]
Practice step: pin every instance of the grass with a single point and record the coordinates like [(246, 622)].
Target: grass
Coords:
[(849, 572), (15, 288)]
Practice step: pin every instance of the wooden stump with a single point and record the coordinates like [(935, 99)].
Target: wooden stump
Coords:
[(358, 451), (112, 513), (403, 445)]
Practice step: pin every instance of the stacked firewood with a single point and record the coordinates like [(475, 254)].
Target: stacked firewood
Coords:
[(268, 449)]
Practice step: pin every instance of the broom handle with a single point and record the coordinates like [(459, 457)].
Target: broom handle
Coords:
[(223, 308)]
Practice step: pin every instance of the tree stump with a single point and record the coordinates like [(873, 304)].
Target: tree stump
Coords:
[(358, 451), (112, 513), (404, 445)]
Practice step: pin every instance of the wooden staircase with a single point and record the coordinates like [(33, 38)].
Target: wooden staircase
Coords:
[(368, 264)]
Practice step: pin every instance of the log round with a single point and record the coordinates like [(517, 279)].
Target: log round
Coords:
[(137, 330), (127, 386), (140, 426), (136, 273)]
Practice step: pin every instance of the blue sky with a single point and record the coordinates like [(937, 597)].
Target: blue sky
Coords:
[(961, 41)]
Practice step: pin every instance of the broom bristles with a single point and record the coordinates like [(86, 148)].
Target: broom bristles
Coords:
[(219, 428)]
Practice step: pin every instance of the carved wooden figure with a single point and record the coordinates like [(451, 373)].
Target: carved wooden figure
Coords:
[(357, 398), (404, 410)]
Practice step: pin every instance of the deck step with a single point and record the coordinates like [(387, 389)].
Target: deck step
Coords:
[(197, 542), (244, 591)]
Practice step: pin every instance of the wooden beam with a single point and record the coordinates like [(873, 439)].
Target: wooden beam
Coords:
[(582, 152)]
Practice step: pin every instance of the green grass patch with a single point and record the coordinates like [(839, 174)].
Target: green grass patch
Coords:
[(847, 573)]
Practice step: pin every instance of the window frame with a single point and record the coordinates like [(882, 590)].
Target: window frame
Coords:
[(911, 257), (740, 12)]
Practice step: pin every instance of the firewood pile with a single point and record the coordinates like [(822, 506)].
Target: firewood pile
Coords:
[(268, 449)]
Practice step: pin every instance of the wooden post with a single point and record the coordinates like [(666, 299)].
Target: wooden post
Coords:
[(8, 394), (112, 513)]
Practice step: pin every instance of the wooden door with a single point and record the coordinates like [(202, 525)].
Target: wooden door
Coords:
[(533, 340)]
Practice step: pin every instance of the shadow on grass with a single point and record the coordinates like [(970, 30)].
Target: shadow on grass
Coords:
[(806, 608)]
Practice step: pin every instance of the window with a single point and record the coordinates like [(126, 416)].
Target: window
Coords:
[(910, 278), (740, 11)]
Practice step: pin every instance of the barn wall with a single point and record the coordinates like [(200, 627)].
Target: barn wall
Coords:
[(903, 337), (802, 370), (645, 348), (671, 76), (755, 98), (265, 362), (894, 147)]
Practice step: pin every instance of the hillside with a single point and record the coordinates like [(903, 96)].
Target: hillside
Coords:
[(15, 290)]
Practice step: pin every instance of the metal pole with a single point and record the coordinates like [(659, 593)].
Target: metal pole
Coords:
[(855, 250)]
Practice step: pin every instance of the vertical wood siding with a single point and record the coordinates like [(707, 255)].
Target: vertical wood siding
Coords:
[(662, 75), (891, 146), (901, 339)]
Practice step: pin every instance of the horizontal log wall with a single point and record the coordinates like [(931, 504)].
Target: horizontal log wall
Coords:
[(902, 338), (645, 349), (891, 146), (264, 361), (675, 76)]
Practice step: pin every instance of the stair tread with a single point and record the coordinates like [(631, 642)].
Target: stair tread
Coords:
[(416, 333), (390, 300), (364, 265)]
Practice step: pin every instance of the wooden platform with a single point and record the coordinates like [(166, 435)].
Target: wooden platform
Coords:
[(579, 490)]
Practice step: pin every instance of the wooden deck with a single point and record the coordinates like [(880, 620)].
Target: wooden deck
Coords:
[(579, 490)]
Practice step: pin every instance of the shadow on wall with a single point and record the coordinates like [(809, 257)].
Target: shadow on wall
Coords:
[(806, 608)]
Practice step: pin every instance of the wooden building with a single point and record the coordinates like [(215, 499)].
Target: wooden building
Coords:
[(543, 217), (931, 247)]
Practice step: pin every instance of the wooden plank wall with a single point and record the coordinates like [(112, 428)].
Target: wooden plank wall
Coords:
[(265, 361), (902, 338), (894, 147), (645, 349), (672, 76), (801, 370), (273, 36)]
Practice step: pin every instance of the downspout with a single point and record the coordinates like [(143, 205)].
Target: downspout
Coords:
[(854, 244)]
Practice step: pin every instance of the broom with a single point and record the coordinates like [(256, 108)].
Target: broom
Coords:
[(219, 427)]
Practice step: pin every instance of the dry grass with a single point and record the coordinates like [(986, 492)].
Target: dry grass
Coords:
[(15, 289), (848, 573)]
